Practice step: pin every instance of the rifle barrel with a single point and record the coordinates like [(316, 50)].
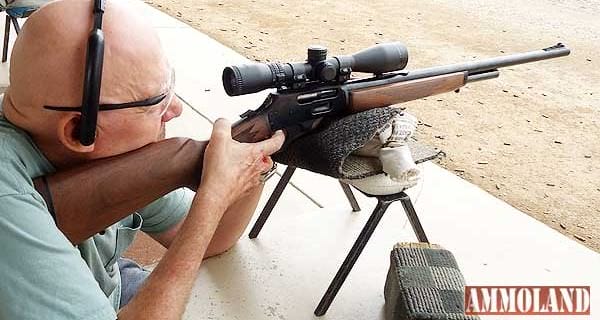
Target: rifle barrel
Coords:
[(472, 68)]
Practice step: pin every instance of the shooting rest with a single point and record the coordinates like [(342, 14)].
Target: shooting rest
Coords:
[(421, 153)]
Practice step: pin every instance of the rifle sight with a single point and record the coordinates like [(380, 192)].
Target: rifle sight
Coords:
[(317, 69)]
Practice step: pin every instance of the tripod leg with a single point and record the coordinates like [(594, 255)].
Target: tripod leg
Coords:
[(350, 196), (413, 219), (15, 23), (264, 215), (353, 255)]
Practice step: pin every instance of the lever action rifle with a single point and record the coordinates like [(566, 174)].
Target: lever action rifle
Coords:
[(87, 199), (319, 88)]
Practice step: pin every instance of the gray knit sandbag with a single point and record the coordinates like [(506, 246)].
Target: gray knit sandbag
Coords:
[(424, 282), (328, 150), (325, 150)]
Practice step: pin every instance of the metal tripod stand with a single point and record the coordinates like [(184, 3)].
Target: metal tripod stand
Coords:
[(383, 203)]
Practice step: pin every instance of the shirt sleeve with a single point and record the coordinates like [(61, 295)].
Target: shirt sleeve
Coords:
[(42, 273), (167, 211)]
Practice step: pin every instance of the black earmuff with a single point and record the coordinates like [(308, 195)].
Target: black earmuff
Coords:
[(93, 78)]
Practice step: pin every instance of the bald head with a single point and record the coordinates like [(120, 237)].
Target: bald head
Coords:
[(48, 59), (47, 68)]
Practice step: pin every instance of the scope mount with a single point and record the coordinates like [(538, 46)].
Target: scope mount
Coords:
[(324, 70)]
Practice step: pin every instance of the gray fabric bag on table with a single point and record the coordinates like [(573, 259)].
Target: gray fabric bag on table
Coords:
[(424, 283)]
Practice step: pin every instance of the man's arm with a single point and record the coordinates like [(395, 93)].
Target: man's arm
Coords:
[(231, 170), (165, 292), (232, 225)]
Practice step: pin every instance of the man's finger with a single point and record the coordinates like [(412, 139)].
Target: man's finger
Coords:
[(222, 129), (273, 144)]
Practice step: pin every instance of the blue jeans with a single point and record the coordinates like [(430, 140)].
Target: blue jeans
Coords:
[(132, 278)]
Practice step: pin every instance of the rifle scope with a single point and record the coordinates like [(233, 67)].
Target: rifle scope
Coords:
[(255, 77)]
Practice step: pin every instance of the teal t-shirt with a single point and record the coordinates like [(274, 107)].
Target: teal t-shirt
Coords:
[(42, 275)]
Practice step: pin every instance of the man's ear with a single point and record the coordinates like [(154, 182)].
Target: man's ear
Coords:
[(68, 134)]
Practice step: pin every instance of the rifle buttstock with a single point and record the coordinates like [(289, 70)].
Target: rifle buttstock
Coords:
[(385, 95)]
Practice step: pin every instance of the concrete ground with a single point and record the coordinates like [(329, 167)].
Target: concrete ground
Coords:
[(283, 273)]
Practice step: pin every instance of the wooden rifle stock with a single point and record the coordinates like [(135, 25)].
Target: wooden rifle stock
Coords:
[(89, 198), (385, 95)]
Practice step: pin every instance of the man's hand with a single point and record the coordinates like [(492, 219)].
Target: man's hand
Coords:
[(231, 168)]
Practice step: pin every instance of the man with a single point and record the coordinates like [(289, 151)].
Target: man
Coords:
[(43, 275)]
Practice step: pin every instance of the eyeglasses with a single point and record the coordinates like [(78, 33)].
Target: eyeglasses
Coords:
[(149, 102), (116, 106)]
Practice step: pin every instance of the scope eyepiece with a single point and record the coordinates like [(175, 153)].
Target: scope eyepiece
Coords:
[(255, 77)]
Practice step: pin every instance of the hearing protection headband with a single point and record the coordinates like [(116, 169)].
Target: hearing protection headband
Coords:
[(93, 78)]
